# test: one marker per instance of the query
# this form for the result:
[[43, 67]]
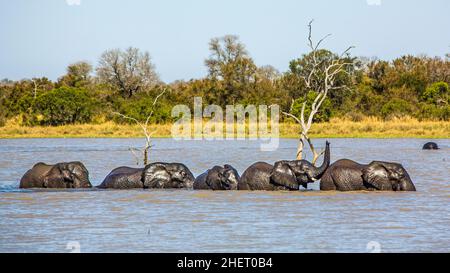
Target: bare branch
[[347, 50], [292, 116], [144, 126], [321, 40], [125, 117], [317, 156], [302, 117], [153, 105], [136, 157]]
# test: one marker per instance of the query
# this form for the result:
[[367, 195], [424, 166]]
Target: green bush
[[140, 108], [61, 106], [396, 108], [2, 119], [431, 111], [324, 113], [366, 101], [437, 93]]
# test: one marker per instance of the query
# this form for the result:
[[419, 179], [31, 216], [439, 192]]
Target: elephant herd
[[342, 175]]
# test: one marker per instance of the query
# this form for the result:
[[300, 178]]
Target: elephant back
[[256, 177], [200, 182], [123, 178]]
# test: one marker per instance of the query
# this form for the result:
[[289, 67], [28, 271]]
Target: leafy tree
[[78, 75], [366, 100], [407, 71], [230, 68]]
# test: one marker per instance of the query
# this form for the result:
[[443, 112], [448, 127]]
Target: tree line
[[126, 82]]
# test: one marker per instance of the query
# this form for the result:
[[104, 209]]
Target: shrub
[[354, 116], [431, 111], [140, 108], [61, 106], [396, 108], [2, 119], [365, 101], [437, 93]]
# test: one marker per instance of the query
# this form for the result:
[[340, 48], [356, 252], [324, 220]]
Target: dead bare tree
[[145, 130], [321, 78], [129, 71]]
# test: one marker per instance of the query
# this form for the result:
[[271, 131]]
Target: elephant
[[60, 175], [348, 175], [167, 175], [430, 146], [218, 178], [123, 178], [283, 175]]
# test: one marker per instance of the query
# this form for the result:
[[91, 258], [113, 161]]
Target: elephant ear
[[283, 175], [376, 175], [57, 176], [156, 176]]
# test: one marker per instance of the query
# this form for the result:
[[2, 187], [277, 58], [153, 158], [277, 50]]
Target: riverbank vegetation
[[335, 128], [405, 97]]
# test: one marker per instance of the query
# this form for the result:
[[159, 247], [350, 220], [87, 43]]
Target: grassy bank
[[367, 128]]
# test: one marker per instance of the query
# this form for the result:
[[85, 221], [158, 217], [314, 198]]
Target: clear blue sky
[[41, 37]]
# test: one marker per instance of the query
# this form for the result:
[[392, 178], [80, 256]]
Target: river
[[206, 221]]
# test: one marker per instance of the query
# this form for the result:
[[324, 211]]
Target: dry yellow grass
[[367, 128], [375, 128]]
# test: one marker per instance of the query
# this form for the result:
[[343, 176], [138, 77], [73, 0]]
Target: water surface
[[202, 221]]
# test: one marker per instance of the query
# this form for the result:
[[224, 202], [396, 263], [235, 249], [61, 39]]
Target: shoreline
[[335, 128], [281, 137]]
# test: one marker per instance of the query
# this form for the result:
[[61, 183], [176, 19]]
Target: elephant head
[[74, 174], [292, 174], [225, 177], [430, 146], [387, 176], [167, 175]]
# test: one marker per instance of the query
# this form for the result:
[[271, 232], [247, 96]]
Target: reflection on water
[[202, 221]]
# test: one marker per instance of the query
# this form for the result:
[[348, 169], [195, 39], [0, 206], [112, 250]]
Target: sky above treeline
[[41, 37]]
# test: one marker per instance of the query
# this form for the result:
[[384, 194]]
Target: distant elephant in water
[[218, 178], [123, 178], [167, 175], [283, 175], [348, 175], [430, 146], [61, 175]]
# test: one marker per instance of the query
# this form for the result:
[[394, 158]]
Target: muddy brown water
[[202, 221]]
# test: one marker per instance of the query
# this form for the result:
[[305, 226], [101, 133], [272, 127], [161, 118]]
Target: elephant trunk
[[318, 172]]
